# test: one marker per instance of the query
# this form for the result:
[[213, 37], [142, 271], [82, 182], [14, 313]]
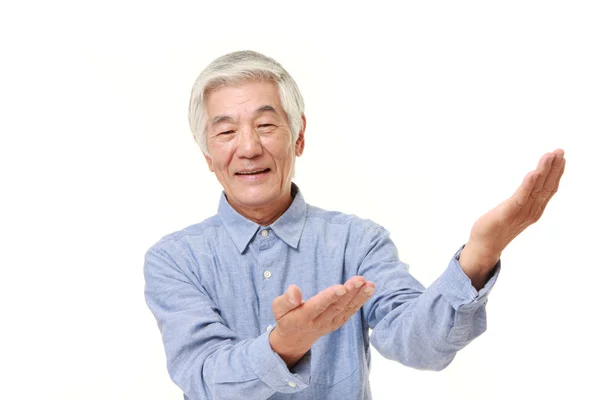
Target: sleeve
[[204, 357], [421, 328]]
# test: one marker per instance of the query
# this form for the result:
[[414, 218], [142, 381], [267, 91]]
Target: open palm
[[494, 230]]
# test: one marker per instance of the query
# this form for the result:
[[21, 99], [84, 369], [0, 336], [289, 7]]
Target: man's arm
[[421, 328], [204, 357], [425, 328]]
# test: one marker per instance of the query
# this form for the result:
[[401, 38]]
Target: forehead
[[242, 99]]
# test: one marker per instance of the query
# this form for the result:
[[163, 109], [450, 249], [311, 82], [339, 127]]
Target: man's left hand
[[493, 231]]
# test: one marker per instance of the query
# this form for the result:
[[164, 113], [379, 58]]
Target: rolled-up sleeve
[[204, 357], [421, 328]]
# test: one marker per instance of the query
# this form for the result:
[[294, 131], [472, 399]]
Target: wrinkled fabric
[[210, 287]]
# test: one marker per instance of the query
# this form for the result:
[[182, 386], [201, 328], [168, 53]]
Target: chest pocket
[[334, 357]]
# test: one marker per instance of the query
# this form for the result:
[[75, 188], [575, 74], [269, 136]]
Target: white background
[[421, 116]]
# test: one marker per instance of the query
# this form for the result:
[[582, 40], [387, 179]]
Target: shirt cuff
[[457, 286], [271, 369]]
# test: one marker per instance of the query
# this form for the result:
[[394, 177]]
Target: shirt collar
[[288, 227]]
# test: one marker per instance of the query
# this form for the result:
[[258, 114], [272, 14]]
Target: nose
[[249, 144]]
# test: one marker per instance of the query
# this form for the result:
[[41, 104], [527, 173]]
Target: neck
[[267, 214]]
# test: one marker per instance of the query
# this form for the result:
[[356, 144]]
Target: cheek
[[220, 160], [286, 162], [222, 168], [282, 150]]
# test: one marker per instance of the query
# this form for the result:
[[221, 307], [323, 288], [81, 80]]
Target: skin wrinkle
[[244, 142], [226, 118]]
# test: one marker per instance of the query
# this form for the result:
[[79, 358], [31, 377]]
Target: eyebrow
[[222, 118]]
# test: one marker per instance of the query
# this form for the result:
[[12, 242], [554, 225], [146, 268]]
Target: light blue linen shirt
[[210, 287]]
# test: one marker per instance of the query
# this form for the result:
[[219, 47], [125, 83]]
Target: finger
[[556, 184], [352, 286], [357, 302], [533, 183], [317, 304], [288, 301], [543, 169], [362, 297], [523, 193], [545, 189], [556, 170]]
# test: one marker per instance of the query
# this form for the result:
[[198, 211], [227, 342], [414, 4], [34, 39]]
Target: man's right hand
[[300, 324]]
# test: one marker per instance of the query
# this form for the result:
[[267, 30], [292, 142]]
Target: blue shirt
[[210, 287]]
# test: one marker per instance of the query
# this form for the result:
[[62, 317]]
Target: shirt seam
[[188, 234]]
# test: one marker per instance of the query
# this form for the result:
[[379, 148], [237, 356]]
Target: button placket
[[265, 240], [265, 233]]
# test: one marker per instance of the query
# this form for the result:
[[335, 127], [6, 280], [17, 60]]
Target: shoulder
[[351, 221], [195, 232]]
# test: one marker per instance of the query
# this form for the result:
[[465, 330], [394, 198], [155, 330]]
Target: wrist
[[477, 263], [289, 351]]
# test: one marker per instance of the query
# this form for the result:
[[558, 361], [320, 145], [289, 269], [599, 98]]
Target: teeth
[[252, 172]]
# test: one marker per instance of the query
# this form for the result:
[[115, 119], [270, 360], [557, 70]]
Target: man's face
[[250, 145]]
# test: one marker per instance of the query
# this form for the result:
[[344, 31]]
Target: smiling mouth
[[255, 172]]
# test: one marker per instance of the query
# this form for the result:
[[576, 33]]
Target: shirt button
[[269, 328], [292, 384], [267, 274], [265, 233]]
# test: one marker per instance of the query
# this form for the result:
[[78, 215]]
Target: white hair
[[234, 69]]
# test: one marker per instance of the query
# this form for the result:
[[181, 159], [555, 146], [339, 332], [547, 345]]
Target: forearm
[[226, 372], [247, 369], [425, 328], [205, 358], [427, 332]]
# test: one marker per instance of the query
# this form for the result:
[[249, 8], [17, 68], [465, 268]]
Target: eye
[[265, 125], [225, 133]]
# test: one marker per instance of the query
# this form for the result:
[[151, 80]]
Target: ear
[[299, 146], [209, 162]]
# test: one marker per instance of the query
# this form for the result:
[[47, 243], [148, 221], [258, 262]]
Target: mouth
[[254, 172]]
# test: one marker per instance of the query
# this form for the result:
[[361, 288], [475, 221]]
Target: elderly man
[[274, 298]]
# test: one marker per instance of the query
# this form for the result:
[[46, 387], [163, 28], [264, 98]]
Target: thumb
[[285, 303]]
